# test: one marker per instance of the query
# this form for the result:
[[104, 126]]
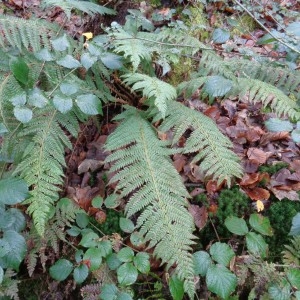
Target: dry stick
[[265, 28]]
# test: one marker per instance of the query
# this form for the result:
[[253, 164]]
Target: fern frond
[[145, 173], [291, 255], [89, 8], [152, 87], [216, 158]]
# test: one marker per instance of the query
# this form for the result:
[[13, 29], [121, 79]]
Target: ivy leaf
[[95, 258], [217, 86], [142, 262], [108, 292], [89, 104], [293, 276], [113, 262], [127, 274], [220, 280], [220, 36], [69, 62], [61, 269], [221, 253], [20, 70], [13, 190], [126, 225], [62, 104], [81, 273], [23, 114], [61, 43], [89, 240], [36, 98], [256, 244], [111, 61], [236, 225], [202, 262], [176, 287], [87, 60], [18, 248], [261, 224], [125, 254], [277, 125]]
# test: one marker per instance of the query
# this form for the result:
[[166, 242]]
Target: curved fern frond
[[145, 173], [152, 87], [216, 158]]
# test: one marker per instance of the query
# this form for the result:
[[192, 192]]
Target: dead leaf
[[250, 180], [273, 136], [90, 165], [257, 193], [212, 186], [199, 214], [280, 194], [179, 162], [259, 155]]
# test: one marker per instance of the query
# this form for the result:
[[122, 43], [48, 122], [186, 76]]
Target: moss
[[245, 24], [181, 71], [111, 225], [272, 169]]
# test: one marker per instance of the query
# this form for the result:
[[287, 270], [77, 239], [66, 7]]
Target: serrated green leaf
[[68, 88], [1, 275], [176, 288], [105, 247], [69, 62], [20, 70], [19, 99], [95, 258], [220, 280], [97, 202], [18, 248], [23, 114], [137, 239], [89, 104], [236, 225], [61, 43], [221, 253], [82, 220], [142, 262], [111, 61], [13, 191], [89, 240], [18, 220], [108, 292], [61, 269], [293, 276], [277, 292], [126, 225], [126, 254], [113, 262], [74, 231], [217, 86], [256, 244], [44, 55], [112, 201], [202, 262], [80, 273], [127, 274], [266, 39], [261, 224], [36, 98], [277, 125], [87, 60], [123, 296], [79, 255], [295, 229], [62, 104], [4, 248], [220, 36]]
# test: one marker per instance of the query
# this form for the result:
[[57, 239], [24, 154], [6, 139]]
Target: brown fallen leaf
[[199, 214], [179, 162], [259, 155], [257, 193], [273, 136], [280, 194]]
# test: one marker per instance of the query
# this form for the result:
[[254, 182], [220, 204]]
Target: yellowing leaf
[[88, 35], [259, 206]]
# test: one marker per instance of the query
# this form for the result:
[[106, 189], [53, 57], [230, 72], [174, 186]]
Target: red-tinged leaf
[[273, 136], [179, 162], [257, 193], [254, 134], [250, 166], [250, 180], [259, 155], [213, 112], [197, 191], [199, 214], [213, 208], [264, 177], [212, 186]]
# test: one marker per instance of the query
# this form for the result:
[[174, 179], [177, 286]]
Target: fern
[[144, 172], [291, 255], [152, 87], [217, 160]]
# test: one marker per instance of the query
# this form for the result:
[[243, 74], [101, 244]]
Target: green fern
[[144, 172], [216, 158], [291, 255]]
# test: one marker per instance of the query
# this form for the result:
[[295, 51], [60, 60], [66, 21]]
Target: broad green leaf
[[296, 135], [89, 240], [95, 258], [126, 225], [89, 104], [293, 276], [105, 247], [20, 70], [79, 255], [112, 201], [62, 103], [13, 191], [176, 288], [4, 247], [18, 248], [44, 55], [221, 253], [123, 296], [36, 98], [277, 292], [261, 224], [217, 86], [68, 88], [108, 292], [113, 262], [82, 220], [61, 43], [256, 244], [69, 62], [277, 125], [266, 39], [125, 254], [23, 114], [137, 239], [202, 262], [3, 129], [1, 275], [295, 229], [220, 36], [87, 60], [111, 61], [220, 280], [142, 262], [19, 222], [236, 225], [81, 273], [61, 269], [6, 220], [127, 274], [74, 231], [97, 202], [294, 28], [19, 99]]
